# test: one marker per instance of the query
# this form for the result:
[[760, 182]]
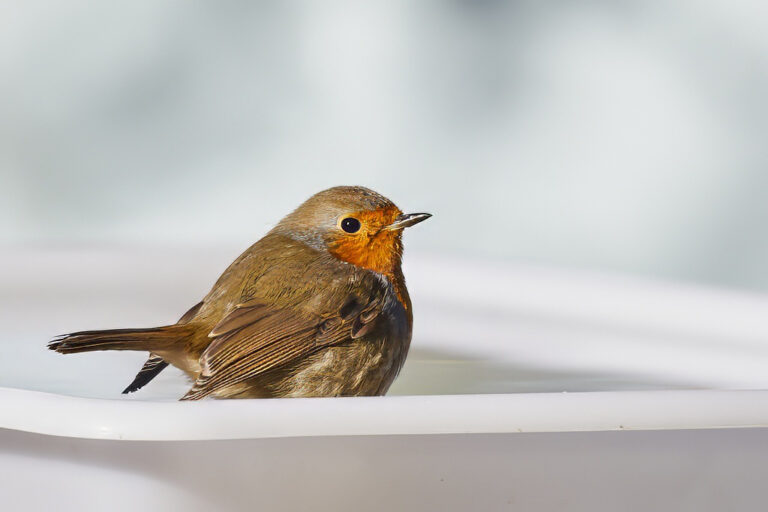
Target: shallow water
[[426, 372], [431, 372]]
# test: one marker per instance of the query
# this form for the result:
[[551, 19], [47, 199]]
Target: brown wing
[[256, 337]]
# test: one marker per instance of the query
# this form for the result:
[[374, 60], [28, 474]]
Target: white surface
[[680, 471], [642, 362], [479, 414], [481, 336]]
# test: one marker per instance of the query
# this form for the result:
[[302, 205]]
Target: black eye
[[350, 225]]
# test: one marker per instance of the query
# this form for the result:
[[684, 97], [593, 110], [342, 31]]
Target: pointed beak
[[407, 220]]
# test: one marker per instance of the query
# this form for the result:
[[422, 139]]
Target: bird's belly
[[358, 369], [362, 367], [183, 360]]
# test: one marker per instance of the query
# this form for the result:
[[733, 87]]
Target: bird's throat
[[381, 254]]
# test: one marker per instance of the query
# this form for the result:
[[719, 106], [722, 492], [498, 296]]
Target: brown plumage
[[318, 307]]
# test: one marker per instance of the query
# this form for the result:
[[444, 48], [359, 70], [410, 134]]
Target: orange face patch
[[372, 247]]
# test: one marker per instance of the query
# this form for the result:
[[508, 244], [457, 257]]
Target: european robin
[[318, 307]]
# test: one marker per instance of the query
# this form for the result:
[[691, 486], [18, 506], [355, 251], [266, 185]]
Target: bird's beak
[[407, 220]]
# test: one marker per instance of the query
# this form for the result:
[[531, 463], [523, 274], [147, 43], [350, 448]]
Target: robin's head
[[354, 224]]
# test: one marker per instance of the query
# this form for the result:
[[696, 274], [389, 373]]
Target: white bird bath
[[526, 389]]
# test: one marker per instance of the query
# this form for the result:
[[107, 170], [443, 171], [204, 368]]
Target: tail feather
[[156, 338]]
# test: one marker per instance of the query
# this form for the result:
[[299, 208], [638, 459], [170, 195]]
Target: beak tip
[[409, 219]]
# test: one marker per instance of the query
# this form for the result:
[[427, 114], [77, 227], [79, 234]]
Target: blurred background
[[613, 136], [597, 171]]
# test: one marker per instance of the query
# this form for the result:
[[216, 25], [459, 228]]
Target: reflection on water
[[426, 372], [434, 372]]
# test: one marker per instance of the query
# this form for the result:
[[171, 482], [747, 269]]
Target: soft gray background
[[619, 136]]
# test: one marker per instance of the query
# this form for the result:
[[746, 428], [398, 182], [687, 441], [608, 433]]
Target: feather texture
[[255, 338], [311, 309]]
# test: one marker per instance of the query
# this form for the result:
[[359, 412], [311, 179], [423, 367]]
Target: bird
[[318, 307]]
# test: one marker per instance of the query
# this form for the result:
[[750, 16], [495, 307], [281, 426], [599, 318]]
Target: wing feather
[[256, 337]]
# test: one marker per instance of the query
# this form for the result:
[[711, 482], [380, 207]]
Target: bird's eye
[[350, 225]]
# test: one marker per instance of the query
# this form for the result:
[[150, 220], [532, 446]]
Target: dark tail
[[156, 338], [149, 371]]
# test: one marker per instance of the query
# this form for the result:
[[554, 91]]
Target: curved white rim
[[68, 416]]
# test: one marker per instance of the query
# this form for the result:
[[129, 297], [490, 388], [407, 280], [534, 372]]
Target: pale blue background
[[617, 136]]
